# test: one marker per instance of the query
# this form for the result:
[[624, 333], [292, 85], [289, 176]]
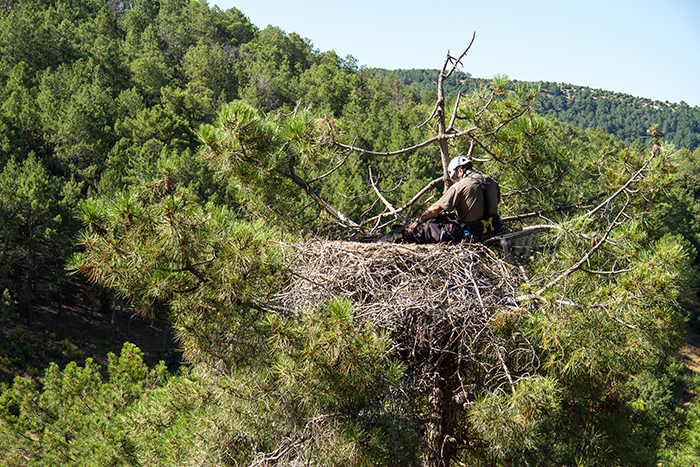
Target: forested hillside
[[622, 115], [171, 163]]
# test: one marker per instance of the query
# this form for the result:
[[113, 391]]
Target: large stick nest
[[440, 303]]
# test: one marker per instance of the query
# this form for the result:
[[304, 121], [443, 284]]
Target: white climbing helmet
[[458, 161]]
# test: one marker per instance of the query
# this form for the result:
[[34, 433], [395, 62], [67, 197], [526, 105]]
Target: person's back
[[473, 198]]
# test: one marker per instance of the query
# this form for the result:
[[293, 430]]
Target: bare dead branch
[[339, 216], [458, 61], [541, 212], [396, 211], [450, 127], [606, 273], [390, 207], [282, 450], [432, 115], [471, 150], [527, 190], [487, 105], [420, 194], [425, 143]]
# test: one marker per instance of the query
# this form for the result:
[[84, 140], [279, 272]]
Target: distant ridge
[[622, 115]]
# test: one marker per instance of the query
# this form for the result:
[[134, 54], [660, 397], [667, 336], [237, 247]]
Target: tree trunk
[[440, 114], [440, 427], [31, 281], [18, 287]]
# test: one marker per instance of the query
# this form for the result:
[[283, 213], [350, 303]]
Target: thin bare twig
[[528, 215], [458, 61], [450, 127]]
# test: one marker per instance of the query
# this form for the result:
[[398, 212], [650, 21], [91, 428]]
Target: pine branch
[[566, 207], [342, 218], [623, 187], [586, 257], [339, 165]]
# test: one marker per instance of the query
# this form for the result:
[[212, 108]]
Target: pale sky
[[644, 48]]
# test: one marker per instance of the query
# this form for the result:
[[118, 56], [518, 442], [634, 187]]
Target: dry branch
[[415, 147], [339, 216], [389, 206]]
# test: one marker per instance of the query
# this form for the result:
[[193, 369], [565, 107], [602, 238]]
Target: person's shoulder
[[472, 177], [483, 177]]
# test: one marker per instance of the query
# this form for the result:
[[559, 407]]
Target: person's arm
[[431, 212]]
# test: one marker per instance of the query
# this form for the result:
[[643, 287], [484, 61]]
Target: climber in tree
[[474, 200]]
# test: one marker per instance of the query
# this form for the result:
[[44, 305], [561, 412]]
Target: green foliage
[[642, 295], [340, 362], [20, 124], [27, 202], [315, 379], [426, 81], [66, 79], [679, 208], [76, 117], [316, 411], [73, 417], [43, 35], [625, 116], [150, 70], [273, 61], [200, 260], [603, 333], [34, 217], [513, 423], [208, 71], [686, 451], [267, 155], [326, 86], [16, 347]]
